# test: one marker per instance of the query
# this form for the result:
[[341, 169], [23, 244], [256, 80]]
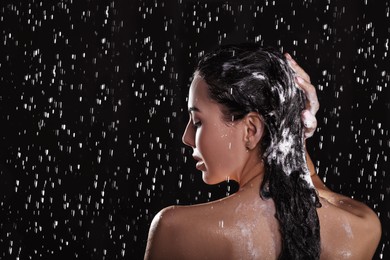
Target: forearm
[[318, 183]]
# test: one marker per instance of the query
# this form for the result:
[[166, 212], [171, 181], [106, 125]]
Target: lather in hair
[[248, 78]]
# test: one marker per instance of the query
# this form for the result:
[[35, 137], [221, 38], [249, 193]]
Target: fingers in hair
[[311, 94], [298, 70]]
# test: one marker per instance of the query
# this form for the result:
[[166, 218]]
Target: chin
[[210, 180]]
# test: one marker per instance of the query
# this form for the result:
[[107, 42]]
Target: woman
[[245, 125]]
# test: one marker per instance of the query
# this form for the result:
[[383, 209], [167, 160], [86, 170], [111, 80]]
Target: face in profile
[[218, 145]]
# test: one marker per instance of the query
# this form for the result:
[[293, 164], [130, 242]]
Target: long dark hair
[[246, 78]]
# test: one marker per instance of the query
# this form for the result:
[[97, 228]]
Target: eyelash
[[197, 124]]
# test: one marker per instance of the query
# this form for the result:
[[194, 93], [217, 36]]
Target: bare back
[[243, 226]]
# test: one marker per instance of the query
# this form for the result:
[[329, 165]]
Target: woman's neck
[[253, 177]]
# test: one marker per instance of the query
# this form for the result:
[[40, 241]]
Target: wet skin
[[243, 226], [223, 150]]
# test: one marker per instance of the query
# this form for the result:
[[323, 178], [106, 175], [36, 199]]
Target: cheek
[[220, 147]]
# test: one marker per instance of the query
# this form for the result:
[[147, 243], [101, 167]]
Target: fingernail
[[290, 59], [308, 135], [299, 79]]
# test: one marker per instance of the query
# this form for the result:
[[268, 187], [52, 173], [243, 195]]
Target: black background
[[93, 105]]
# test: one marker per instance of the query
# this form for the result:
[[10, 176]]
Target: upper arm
[[359, 224], [160, 236]]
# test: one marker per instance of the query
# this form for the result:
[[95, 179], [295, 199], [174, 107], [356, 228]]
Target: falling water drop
[[93, 108]]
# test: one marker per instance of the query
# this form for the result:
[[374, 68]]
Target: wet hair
[[247, 78]]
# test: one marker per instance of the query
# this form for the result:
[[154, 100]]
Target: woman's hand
[[312, 104], [308, 114]]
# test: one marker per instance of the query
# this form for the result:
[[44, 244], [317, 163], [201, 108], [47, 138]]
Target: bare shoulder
[[162, 234], [349, 228], [239, 226], [182, 232]]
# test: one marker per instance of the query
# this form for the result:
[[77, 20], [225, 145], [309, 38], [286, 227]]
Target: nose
[[188, 137]]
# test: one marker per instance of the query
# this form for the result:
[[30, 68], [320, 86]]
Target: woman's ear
[[254, 129]]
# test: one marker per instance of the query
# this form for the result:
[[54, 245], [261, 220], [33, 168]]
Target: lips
[[200, 164]]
